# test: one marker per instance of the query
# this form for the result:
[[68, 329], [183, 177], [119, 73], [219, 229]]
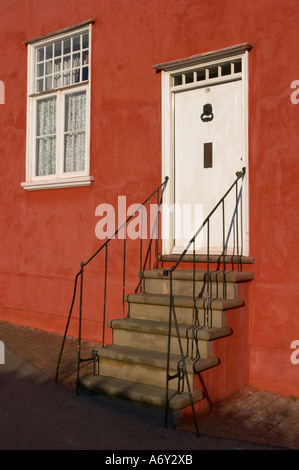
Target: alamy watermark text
[[2, 93], [295, 354], [2, 353]]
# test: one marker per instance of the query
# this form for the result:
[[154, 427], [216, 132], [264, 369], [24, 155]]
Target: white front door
[[208, 149]]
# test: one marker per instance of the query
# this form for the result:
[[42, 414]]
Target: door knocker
[[207, 114]]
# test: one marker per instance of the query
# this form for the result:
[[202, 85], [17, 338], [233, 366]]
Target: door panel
[[207, 155]]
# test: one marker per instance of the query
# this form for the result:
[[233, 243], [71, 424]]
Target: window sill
[[58, 183]]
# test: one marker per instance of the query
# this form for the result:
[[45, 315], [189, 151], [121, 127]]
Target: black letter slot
[[208, 155]]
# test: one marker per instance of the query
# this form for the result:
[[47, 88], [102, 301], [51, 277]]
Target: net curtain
[[74, 134]]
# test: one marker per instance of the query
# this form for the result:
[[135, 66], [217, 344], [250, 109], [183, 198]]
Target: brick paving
[[251, 415], [254, 415]]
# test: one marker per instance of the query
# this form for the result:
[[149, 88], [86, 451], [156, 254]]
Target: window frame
[[61, 179]]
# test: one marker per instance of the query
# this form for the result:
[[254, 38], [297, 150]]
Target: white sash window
[[58, 111]]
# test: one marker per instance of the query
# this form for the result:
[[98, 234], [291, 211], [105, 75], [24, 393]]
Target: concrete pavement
[[38, 414]]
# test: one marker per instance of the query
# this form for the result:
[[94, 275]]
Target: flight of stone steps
[[133, 367]]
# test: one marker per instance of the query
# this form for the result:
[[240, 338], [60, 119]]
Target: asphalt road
[[37, 414]]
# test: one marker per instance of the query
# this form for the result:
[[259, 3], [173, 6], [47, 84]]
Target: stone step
[[201, 274], [156, 307], [153, 335], [213, 258], [145, 366], [128, 390], [156, 282]]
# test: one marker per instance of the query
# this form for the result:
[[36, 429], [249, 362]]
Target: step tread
[[200, 275], [161, 328], [203, 258], [184, 301], [154, 358], [137, 392]]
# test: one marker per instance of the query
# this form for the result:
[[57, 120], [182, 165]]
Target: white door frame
[[168, 71]]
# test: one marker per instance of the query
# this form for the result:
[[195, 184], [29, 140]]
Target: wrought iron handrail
[[172, 313], [159, 192], [182, 374]]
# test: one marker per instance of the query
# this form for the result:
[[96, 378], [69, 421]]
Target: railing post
[[208, 274], [182, 357], [124, 272], [168, 349], [194, 302], [67, 325], [158, 226], [223, 252], [80, 326], [105, 294], [237, 225], [140, 254]]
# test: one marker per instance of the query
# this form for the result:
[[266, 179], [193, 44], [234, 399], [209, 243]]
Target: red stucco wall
[[46, 234]]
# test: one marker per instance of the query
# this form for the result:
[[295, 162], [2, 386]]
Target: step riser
[[185, 287], [183, 314], [139, 373], [153, 342]]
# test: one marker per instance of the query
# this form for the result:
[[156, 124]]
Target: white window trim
[[168, 69], [61, 179]]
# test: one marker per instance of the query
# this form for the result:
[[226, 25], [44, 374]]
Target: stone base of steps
[[139, 397]]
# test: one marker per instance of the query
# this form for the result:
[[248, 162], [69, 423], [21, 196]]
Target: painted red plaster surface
[[46, 234]]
